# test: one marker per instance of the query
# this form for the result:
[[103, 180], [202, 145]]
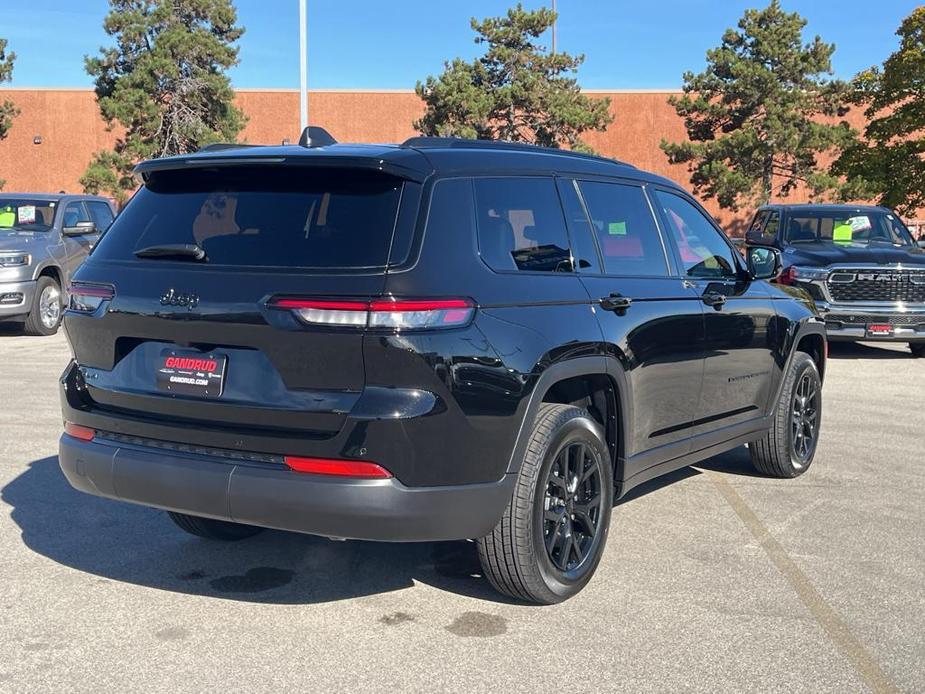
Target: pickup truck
[[859, 263], [43, 240]]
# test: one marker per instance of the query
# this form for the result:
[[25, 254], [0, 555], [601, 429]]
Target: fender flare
[[571, 368], [806, 327]]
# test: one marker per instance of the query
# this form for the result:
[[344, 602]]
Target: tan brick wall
[[69, 124]]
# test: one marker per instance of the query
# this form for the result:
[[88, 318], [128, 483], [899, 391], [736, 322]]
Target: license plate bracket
[[200, 374], [880, 330]]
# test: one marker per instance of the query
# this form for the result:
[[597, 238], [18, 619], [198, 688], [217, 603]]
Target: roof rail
[[314, 136], [425, 142], [219, 146]]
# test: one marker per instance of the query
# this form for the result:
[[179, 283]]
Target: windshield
[[26, 215], [848, 228], [281, 217]]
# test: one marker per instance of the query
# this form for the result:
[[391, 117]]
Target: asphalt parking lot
[[713, 579]]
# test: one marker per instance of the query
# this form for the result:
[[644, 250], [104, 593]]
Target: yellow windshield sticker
[[7, 217], [842, 233]]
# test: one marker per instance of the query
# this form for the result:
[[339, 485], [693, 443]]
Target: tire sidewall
[[34, 322], [803, 365], [583, 429]]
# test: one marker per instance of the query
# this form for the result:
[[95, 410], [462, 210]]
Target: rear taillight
[[397, 314], [86, 298], [337, 468], [79, 432]]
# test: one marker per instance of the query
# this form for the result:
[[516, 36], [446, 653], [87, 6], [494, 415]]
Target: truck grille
[[879, 285], [915, 319]]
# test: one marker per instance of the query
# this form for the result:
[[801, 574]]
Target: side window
[[770, 231], [626, 231], [74, 212], [101, 214], [704, 252], [521, 226], [757, 223], [584, 249]]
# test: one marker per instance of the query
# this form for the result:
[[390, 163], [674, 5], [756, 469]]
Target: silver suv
[[43, 240]]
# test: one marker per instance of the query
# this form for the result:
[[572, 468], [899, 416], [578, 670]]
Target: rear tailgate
[[263, 233]]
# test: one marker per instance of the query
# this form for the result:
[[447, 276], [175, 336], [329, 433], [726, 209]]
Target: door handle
[[713, 299], [615, 302]]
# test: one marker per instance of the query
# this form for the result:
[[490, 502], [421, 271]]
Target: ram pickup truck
[[43, 240], [859, 263]]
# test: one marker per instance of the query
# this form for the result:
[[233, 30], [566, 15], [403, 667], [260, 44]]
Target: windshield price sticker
[[25, 214]]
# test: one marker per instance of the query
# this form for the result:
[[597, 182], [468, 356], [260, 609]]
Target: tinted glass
[[847, 227], [26, 215], [263, 217], [758, 222], [770, 231], [625, 228], [584, 249], [101, 214], [704, 251], [75, 212], [521, 226]]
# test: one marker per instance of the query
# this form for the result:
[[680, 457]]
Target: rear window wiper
[[190, 251]]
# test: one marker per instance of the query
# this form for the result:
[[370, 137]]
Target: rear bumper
[[275, 497], [16, 298], [848, 322]]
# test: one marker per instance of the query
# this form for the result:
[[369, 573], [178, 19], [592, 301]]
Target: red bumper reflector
[[337, 468], [79, 432]]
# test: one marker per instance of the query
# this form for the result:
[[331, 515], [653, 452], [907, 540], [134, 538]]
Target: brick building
[[58, 130]]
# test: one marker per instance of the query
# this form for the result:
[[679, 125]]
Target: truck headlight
[[14, 259], [809, 273]]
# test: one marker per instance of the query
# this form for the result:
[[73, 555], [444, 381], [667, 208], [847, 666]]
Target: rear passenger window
[[521, 226], [625, 229]]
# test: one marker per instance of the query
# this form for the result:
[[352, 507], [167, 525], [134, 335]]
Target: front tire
[[213, 529], [45, 314], [551, 536], [917, 349], [788, 449]]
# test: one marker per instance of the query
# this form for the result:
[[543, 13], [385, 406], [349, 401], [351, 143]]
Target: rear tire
[[45, 314], [213, 529], [552, 534], [788, 449], [917, 349]]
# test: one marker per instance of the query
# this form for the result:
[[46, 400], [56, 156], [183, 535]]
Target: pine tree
[[755, 116], [516, 91], [164, 83]]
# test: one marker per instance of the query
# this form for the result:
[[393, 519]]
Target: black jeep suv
[[440, 340], [859, 263]]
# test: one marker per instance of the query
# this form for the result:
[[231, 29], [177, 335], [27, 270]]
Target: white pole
[[303, 66], [555, 21]]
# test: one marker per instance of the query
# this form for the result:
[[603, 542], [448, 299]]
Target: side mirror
[[763, 263], [80, 229], [921, 243]]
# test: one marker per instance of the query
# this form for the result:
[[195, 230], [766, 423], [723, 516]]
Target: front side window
[[74, 212], [703, 250], [625, 228], [521, 226], [101, 213]]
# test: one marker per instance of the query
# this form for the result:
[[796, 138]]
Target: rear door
[[265, 234], [740, 320], [652, 320]]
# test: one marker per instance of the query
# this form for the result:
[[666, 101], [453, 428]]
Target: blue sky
[[389, 44]]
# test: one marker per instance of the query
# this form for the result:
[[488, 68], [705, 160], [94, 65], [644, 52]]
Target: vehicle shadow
[[7, 328], [868, 350], [123, 542]]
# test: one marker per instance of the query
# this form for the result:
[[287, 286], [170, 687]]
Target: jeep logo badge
[[174, 298]]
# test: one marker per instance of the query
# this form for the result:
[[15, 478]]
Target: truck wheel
[[45, 314], [789, 447], [551, 536], [213, 529], [917, 348]]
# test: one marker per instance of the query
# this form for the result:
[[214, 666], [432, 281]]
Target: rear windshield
[[262, 217]]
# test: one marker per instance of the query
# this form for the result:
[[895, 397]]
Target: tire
[[514, 556], [213, 529], [783, 452], [917, 349], [43, 318]]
